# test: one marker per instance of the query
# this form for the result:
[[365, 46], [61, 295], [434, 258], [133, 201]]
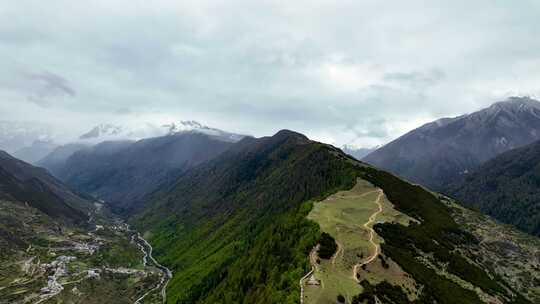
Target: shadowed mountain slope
[[123, 172], [440, 152], [507, 188], [22, 182]]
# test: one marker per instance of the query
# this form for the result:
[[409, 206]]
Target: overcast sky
[[343, 72]]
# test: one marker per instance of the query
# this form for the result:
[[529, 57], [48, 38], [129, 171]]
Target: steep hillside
[[236, 230], [507, 188], [57, 247], [34, 186], [440, 152], [122, 173]]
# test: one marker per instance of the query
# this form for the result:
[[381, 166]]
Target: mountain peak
[[516, 104], [439, 152], [102, 130], [289, 133], [185, 125], [520, 100]]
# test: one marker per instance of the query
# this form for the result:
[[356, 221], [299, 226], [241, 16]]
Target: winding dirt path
[[339, 249], [368, 225]]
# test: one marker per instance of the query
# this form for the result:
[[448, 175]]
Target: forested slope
[[507, 188], [234, 230]]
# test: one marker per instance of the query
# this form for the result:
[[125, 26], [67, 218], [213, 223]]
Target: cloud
[[123, 111], [416, 79], [41, 87], [356, 72]]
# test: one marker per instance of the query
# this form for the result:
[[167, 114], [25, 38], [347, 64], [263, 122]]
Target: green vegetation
[[235, 229], [29, 239], [327, 247], [502, 249], [384, 291], [438, 235], [344, 216], [118, 253], [507, 188]]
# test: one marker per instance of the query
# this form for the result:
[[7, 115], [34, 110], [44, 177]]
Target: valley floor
[[108, 264]]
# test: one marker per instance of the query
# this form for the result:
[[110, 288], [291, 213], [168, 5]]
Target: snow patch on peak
[[517, 104], [501, 141], [102, 130], [185, 125], [112, 132]]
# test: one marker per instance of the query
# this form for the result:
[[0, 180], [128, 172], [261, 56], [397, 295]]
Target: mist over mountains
[[123, 172], [32, 142]]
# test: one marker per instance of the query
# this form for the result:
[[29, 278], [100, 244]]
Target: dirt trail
[[368, 226], [339, 249]]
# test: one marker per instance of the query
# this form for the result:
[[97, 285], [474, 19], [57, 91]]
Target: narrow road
[[146, 249], [368, 226]]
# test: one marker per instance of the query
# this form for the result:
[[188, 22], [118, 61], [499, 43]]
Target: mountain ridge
[[122, 173], [235, 229], [506, 187], [440, 152]]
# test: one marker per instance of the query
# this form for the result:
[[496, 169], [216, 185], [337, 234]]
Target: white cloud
[[360, 72]]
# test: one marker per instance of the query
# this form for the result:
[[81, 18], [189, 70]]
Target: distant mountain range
[[442, 152], [17, 135], [36, 151], [124, 172], [112, 132], [357, 153], [29, 141], [32, 142]]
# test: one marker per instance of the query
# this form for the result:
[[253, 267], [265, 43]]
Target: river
[[147, 249]]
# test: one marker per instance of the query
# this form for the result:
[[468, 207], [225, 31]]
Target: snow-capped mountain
[[194, 126], [440, 152], [112, 132]]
